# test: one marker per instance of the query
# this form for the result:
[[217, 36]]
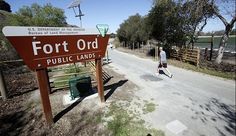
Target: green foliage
[[6, 50], [170, 22], [37, 15], [5, 6], [133, 30]]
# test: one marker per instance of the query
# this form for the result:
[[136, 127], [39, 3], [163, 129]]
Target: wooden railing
[[60, 78], [186, 55], [105, 75]]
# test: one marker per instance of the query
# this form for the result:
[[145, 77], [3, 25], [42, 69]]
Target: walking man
[[163, 62]]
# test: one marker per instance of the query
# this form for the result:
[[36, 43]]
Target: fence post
[[3, 88], [198, 56], [139, 46], [156, 53], [107, 56], [212, 40], [133, 46], [206, 54]]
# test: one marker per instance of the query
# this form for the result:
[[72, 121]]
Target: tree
[[196, 13], [5, 6], [37, 15], [133, 30], [221, 9], [228, 28], [166, 23]]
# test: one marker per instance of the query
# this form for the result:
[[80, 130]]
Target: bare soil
[[22, 114]]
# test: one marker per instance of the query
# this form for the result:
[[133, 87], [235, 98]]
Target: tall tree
[[5, 6], [228, 26], [196, 14], [167, 22], [133, 30], [223, 9]]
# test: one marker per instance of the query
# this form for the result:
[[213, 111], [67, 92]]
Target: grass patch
[[63, 81], [73, 69], [125, 124], [98, 118], [227, 75], [149, 107]]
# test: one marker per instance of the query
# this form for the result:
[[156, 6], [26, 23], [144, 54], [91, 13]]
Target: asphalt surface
[[189, 104]]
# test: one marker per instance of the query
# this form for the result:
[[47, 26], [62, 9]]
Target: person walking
[[163, 63]]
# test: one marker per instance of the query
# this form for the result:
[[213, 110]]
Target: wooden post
[[138, 45], [212, 39], [133, 46], [198, 56], [141, 47], [3, 88], [99, 79], [44, 89], [50, 90], [107, 56], [206, 54], [156, 53]]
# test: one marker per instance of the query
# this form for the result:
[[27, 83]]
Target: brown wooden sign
[[42, 47]]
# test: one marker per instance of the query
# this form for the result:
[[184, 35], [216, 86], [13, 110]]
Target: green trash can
[[80, 86]]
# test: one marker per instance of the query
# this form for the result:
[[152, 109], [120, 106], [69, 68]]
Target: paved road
[[189, 104]]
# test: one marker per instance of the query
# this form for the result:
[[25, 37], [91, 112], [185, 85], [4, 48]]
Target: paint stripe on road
[[176, 127]]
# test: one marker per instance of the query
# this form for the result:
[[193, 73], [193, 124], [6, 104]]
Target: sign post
[[44, 93], [98, 64], [42, 47]]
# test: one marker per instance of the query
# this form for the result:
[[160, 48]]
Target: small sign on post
[[103, 29], [42, 47]]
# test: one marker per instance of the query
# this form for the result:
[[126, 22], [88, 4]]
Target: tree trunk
[[221, 50], [225, 37], [223, 42]]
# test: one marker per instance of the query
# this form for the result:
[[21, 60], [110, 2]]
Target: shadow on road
[[113, 88], [162, 72], [215, 111], [149, 77]]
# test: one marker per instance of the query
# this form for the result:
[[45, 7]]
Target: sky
[[111, 12]]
